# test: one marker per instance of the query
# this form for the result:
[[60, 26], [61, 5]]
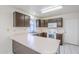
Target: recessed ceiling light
[[51, 8]]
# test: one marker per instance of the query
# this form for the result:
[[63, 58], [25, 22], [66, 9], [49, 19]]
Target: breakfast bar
[[27, 43]]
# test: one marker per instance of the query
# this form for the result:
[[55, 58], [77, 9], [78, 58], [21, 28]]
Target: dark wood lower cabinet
[[21, 49], [59, 37], [43, 34]]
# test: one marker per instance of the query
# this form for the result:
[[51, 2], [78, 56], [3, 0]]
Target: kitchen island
[[27, 43]]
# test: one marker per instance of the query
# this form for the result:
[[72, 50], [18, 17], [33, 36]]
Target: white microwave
[[52, 25]]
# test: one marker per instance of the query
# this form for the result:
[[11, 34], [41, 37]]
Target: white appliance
[[52, 25], [52, 30]]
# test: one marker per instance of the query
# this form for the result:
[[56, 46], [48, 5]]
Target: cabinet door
[[38, 23], [45, 23], [59, 36], [59, 22], [27, 21], [19, 19], [43, 34], [42, 23], [21, 49]]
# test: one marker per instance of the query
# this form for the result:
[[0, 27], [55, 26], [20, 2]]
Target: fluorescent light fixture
[[52, 8]]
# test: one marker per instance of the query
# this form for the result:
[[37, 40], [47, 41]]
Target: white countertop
[[39, 44]]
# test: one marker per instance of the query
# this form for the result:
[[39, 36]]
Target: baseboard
[[71, 43]]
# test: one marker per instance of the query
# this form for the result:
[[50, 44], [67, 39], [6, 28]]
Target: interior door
[[70, 31]]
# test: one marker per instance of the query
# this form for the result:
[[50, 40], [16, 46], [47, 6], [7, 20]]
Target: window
[[32, 25]]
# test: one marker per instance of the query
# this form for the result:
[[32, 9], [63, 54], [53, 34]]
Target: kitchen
[[60, 28], [39, 33]]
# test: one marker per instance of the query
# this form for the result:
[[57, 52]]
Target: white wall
[[6, 26], [70, 26], [5, 23]]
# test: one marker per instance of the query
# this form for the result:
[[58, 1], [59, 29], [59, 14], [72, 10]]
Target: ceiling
[[35, 10]]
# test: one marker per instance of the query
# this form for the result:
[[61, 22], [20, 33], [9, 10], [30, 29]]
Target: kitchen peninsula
[[27, 43]]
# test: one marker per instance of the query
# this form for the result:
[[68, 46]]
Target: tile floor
[[69, 49]]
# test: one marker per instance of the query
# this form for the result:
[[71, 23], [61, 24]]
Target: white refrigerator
[[52, 30]]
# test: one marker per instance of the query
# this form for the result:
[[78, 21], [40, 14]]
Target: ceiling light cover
[[52, 8]]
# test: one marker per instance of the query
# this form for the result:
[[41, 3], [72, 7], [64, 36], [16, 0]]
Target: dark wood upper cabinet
[[41, 23], [59, 21], [27, 21], [45, 23], [21, 20]]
